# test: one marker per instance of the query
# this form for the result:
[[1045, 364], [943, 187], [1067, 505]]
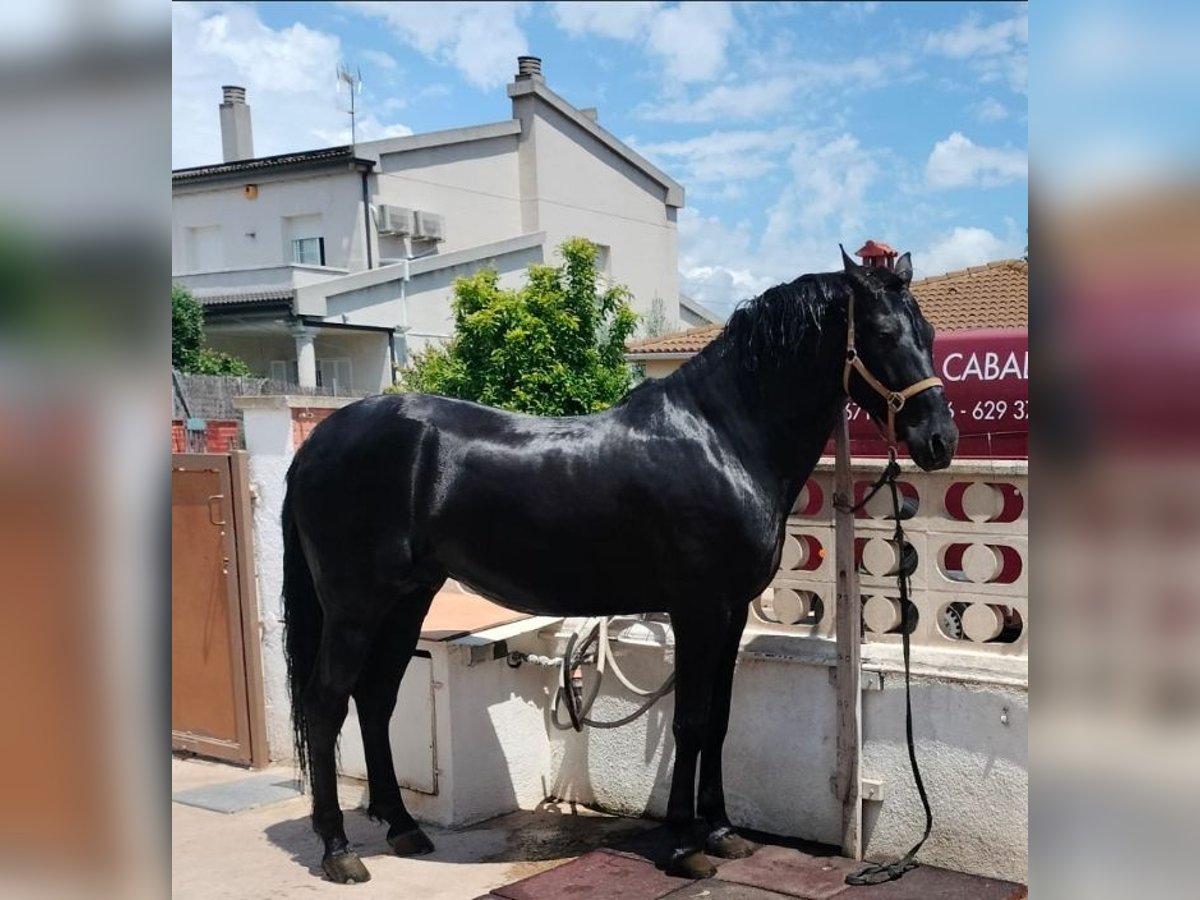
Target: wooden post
[[849, 654]]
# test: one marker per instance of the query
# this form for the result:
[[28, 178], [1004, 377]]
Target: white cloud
[[998, 51], [481, 40], [691, 39], [288, 74], [828, 193], [623, 21], [827, 200], [860, 72], [722, 156], [963, 247], [379, 58], [744, 101], [717, 265], [775, 92], [959, 162], [368, 128], [972, 39], [991, 110]]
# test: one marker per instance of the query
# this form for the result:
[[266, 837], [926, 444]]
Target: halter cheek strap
[[895, 399]]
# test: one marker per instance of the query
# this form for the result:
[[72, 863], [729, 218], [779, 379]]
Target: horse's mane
[[787, 319]]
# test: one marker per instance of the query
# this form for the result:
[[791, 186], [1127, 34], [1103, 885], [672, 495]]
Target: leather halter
[[895, 399]]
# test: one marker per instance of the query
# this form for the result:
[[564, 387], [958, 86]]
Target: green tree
[[188, 353], [553, 347]]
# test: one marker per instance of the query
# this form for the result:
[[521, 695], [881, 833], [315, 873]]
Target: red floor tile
[[791, 873], [599, 875], [928, 883]]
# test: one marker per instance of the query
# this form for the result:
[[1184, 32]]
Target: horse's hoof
[[690, 864], [411, 843], [345, 868], [726, 843]]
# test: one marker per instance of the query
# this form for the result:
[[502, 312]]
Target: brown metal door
[[210, 708]]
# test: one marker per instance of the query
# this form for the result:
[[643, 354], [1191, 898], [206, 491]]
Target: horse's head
[[889, 363]]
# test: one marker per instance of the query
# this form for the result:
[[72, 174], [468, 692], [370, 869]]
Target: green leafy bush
[[553, 347], [188, 353]]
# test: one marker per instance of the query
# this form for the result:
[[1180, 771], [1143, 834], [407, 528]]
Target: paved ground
[[551, 853], [271, 852]]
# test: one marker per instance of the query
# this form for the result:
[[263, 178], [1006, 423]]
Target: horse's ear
[[904, 269], [848, 264], [855, 272]]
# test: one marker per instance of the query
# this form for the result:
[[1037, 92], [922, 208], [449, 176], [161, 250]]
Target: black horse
[[674, 500]]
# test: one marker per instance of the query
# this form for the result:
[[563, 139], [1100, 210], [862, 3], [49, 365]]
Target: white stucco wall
[[583, 189], [781, 753], [427, 296], [269, 442], [473, 184], [336, 198]]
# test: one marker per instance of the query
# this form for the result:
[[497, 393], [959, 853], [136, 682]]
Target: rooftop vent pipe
[[529, 67], [237, 141]]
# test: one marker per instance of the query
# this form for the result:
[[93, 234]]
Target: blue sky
[[792, 126]]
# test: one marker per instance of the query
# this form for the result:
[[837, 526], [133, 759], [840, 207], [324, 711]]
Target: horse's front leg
[[721, 840], [697, 642]]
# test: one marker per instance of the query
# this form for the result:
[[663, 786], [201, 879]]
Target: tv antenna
[[353, 82]]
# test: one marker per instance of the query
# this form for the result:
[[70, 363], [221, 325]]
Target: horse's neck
[[778, 419]]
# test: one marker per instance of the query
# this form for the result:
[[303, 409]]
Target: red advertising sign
[[986, 374]]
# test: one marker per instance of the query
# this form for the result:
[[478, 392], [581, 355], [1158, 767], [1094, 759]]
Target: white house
[[330, 266]]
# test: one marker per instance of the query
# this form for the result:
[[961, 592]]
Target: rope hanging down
[[877, 874]]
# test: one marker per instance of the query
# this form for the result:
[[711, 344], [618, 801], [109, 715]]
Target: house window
[[285, 371], [335, 374], [603, 259], [205, 249], [309, 251]]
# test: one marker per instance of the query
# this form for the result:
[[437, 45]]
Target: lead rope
[[878, 874]]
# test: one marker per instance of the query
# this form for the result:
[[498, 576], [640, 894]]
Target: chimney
[[877, 253], [236, 140], [529, 68]]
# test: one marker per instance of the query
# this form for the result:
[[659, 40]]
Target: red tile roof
[[995, 295]]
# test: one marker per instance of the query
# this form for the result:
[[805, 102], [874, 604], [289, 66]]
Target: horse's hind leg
[[344, 648], [375, 700]]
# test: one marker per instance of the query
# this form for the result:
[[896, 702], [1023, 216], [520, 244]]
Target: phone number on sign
[[980, 411]]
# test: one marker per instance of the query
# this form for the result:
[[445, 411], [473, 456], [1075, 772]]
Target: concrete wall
[[335, 198]]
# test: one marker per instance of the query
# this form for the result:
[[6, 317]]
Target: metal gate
[[216, 675]]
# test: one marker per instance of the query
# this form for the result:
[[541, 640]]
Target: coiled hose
[[570, 693]]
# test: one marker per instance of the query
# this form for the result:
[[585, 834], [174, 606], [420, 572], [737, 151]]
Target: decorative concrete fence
[[968, 528]]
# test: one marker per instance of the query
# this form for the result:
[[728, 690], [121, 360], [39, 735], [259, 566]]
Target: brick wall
[[220, 436], [304, 421]]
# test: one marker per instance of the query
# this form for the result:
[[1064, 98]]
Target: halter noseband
[[895, 399]]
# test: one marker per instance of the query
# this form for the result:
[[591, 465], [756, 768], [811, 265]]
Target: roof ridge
[[994, 264]]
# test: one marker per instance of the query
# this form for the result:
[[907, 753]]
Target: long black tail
[[302, 619]]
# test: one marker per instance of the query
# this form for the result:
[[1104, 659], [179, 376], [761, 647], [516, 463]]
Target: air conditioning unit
[[429, 226], [395, 220]]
